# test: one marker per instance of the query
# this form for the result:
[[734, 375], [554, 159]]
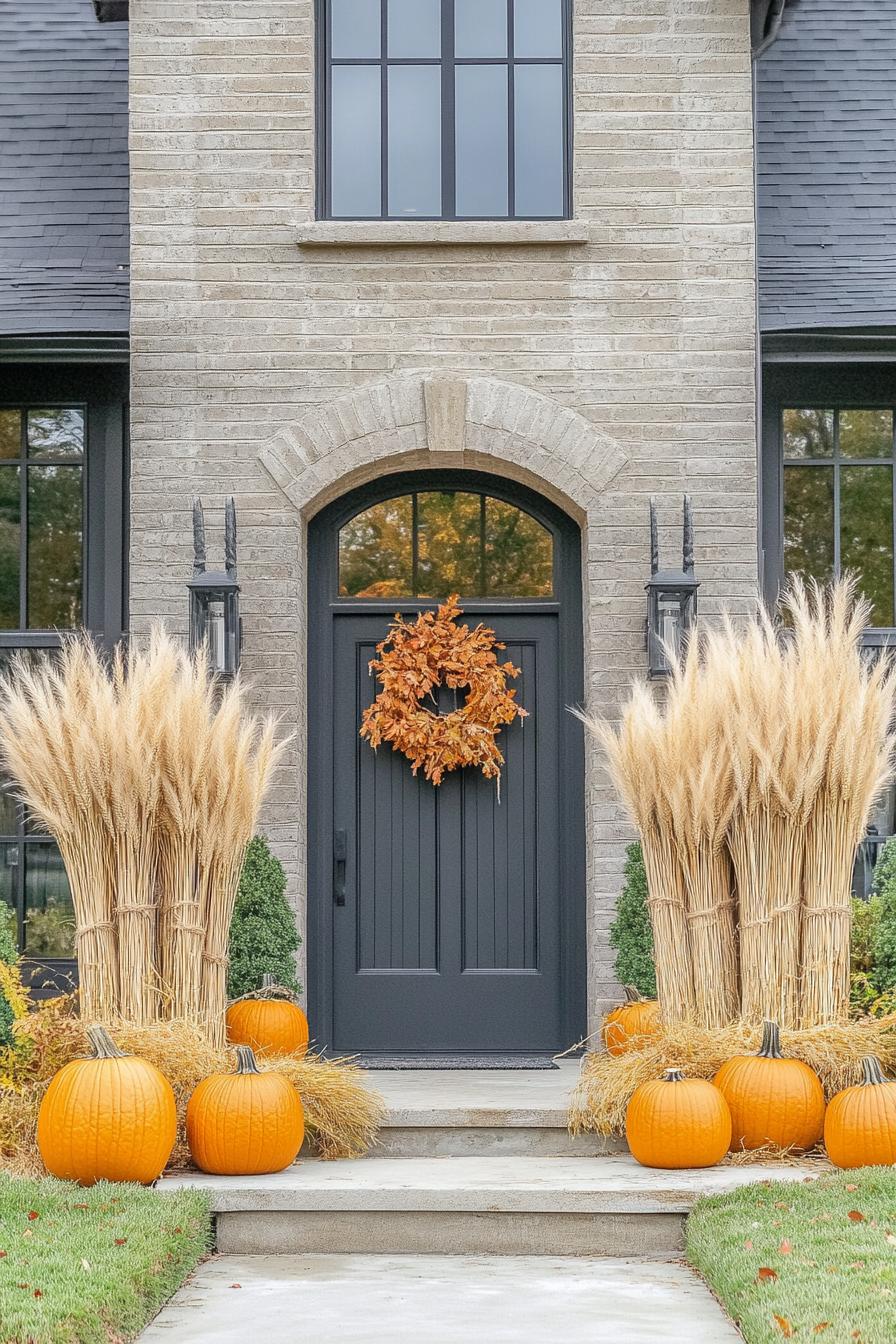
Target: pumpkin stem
[[873, 1074], [673, 1076], [771, 1042], [631, 994], [103, 1045], [245, 1060]]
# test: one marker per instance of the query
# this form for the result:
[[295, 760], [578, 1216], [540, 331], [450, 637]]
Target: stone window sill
[[442, 232]]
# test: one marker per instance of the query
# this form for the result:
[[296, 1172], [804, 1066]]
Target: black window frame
[[101, 390], [830, 387], [447, 61]]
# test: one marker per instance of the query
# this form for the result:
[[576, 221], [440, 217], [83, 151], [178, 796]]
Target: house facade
[[442, 292]]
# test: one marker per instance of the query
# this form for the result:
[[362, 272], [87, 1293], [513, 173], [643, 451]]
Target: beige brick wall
[[238, 334]]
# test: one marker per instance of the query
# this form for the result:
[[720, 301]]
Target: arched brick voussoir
[[433, 419]]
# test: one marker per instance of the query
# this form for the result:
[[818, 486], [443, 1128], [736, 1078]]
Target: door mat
[[457, 1062]]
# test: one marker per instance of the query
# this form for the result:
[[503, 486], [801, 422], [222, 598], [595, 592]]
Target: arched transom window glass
[[445, 109], [436, 542]]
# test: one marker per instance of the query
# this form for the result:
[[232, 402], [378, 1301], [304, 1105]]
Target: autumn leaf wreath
[[412, 662]]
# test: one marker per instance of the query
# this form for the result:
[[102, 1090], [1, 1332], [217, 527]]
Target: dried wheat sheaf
[[150, 776], [751, 788]]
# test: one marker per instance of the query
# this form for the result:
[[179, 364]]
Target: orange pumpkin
[[676, 1122], [773, 1100], [246, 1123], [272, 1023], [108, 1118], [860, 1123], [626, 1027]]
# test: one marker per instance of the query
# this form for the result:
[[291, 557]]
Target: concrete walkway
[[375, 1299]]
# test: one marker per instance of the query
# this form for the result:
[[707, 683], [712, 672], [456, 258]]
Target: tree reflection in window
[[436, 542], [41, 517], [838, 499]]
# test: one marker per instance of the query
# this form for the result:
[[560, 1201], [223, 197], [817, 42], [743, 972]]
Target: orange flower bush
[[413, 661]]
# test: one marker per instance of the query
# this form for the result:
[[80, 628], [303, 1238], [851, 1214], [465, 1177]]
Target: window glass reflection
[[480, 27], [481, 141], [444, 541], [375, 551], [355, 142], [538, 138], [415, 140], [355, 27], [865, 433], [808, 433]]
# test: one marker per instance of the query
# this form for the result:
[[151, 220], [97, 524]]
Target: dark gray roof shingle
[[826, 161], [63, 169]]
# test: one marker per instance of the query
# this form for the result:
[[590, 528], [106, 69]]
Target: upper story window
[[838, 501], [42, 453], [445, 109], [436, 542]]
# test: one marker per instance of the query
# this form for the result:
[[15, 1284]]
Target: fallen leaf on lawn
[[85, 1265], [781, 1205], [38, 1293], [783, 1325], [820, 1328], [748, 1245], [32, 1215], [766, 1275], [855, 1217], [785, 1248], [27, 1232], [890, 1238], [79, 1206], [2, 1255], [121, 1241], [851, 1188]]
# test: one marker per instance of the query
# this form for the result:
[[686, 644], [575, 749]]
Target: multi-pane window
[[35, 899], [838, 498], [41, 517], [437, 542], [445, 109]]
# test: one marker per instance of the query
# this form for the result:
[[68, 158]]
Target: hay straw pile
[[341, 1115], [751, 789], [150, 777], [835, 1052]]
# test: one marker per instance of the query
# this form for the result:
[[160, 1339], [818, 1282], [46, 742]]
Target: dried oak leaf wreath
[[413, 661]]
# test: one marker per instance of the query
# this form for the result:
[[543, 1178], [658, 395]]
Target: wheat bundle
[[696, 780], [848, 707], [57, 733], [150, 777], [183, 755], [835, 1051], [635, 760]]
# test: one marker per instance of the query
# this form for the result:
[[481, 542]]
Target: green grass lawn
[[814, 1260], [92, 1266]]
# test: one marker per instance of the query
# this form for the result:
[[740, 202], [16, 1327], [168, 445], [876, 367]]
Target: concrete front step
[[481, 1205], [463, 1112]]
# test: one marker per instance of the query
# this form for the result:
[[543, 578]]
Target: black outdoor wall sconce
[[215, 598], [671, 599]]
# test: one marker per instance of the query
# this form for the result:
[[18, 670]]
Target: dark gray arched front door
[[445, 920]]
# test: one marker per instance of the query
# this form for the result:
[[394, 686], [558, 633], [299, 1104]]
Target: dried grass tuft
[[342, 1115], [835, 1052]]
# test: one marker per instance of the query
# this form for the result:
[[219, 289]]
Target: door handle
[[340, 850]]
